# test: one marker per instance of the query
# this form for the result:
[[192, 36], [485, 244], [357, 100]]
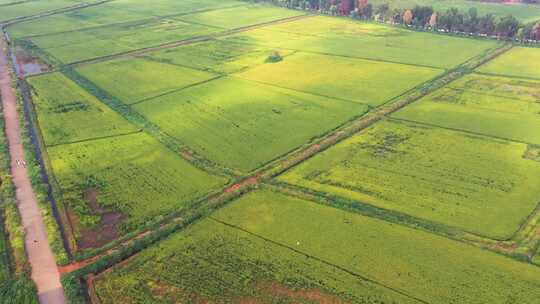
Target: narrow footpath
[[44, 270]]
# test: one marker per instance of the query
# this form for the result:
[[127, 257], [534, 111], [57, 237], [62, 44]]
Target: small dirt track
[[44, 270]]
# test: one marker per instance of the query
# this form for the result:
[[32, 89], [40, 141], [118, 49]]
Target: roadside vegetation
[[15, 283]]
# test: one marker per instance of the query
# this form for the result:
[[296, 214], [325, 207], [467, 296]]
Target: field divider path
[[323, 261], [44, 270]]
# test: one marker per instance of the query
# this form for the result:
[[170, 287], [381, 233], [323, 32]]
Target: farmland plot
[[131, 178], [220, 264], [350, 38], [243, 125], [479, 184], [217, 56], [33, 7], [248, 248], [236, 17], [67, 113], [74, 46], [495, 106], [350, 79], [132, 80], [518, 62], [118, 11]]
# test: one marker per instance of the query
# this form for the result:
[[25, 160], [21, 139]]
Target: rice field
[[478, 184], [242, 124], [220, 96], [217, 56], [495, 106], [343, 37], [67, 113], [131, 178], [26, 8], [271, 248], [349, 79], [114, 12], [135, 80], [239, 16], [518, 62]]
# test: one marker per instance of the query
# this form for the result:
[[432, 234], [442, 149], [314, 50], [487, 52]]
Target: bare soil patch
[[106, 231], [29, 65]]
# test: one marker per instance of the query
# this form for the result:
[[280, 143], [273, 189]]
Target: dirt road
[[44, 270]]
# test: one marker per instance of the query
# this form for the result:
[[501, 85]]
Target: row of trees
[[451, 20]]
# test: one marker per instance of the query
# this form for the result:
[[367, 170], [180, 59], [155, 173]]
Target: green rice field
[[348, 38], [349, 79], [231, 151], [501, 107], [479, 184], [518, 62], [67, 113], [33, 7], [114, 12], [122, 175], [288, 249], [217, 56], [242, 124], [134, 80]]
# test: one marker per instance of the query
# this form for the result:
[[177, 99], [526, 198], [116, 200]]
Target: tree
[[407, 17], [433, 20], [383, 11], [486, 24], [507, 27], [535, 33], [366, 12], [421, 15], [362, 4], [470, 21]]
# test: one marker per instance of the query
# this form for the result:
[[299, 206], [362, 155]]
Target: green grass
[[518, 62], [536, 258], [494, 106], [67, 113], [218, 263], [525, 13], [33, 7], [481, 185], [133, 174], [113, 12], [244, 125], [5, 272], [339, 36], [236, 17], [132, 80], [339, 77]]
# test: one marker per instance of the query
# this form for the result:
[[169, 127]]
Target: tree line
[[451, 20]]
